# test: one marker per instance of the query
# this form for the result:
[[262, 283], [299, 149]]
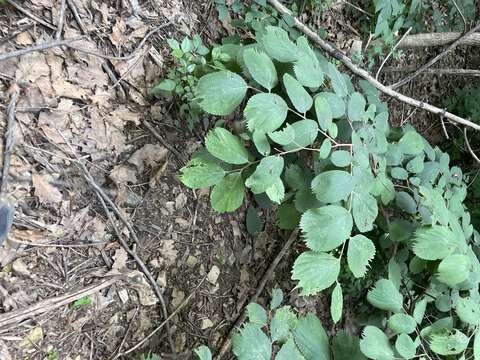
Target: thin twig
[[444, 128], [128, 330], [61, 19], [268, 274], [159, 327], [47, 245], [163, 142], [435, 59], [467, 142], [391, 52], [337, 54], [78, 19], [31, 15], [358, 8], [9, 141]]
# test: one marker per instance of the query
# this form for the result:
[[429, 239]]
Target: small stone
[[206, 323], [180, 201], [192, 261], [213, 274]]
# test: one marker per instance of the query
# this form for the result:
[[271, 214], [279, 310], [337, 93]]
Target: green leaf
[[338, 81], [300, 98], [394, 273], [307, 68], [402, 323], [453, 269], [411, 143], [276, 191], [385, 296], [341, 158], [261, 67], [256, 314], [284, 136], [441, 325], [468, 310], [419, 311], [306, 132], [254, 223], [326, 228], [323, 112], [433, 242], [221, 92], [356, 107], [336, 304], [277, 44], [332, 186], [364, 210], [451, 343], [84, 301], [228, 194], [265, 112], [266, 174], [315, 271], [405, 202], [288, 216], [225, 146], [252, 343], [166, 86], [261, 143], [361, 251], [337, 105], [311, 338], [282, 323], [325, 149], [375, 345], [399, 173], [203, 353], [476, 346], [289, 351], [346, 347], [405, 346], [417, 164], [277, 298], [200, 173]]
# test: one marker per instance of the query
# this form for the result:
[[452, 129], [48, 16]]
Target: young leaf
[[261, 143], [252, 343], [451, 343], [337, 105], [385, 296], [306, 132], [225, 146], [276, 191], [375, 345], [323, 112], [228, 194], [284, 136], [332, 186], [361, 251], [364, 210], [265, 112], [289, 351], [300, 98], [402, 323], [200, 173], [405, 346], [341, 158], [311, 338], [256, 314], [468, 310], [346, 347], [326, 228], [434, 242], [203, 353], [221, 92], [282, 323], [454, 269], [261, 68], [338, 81], [336, 304], [356, 107], [277, 44], [266, 173], [277, 298], [411, 143], [315, 271]]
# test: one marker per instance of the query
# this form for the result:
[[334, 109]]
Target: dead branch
[[337, 54], [268, 274], [435, 59], [9, 137], [446, 71], [44, 306], [61, 19], [439, 39], [31, 15]]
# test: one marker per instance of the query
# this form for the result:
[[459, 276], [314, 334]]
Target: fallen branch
[[337, 54], [439, 39], [268, 274], [446, 71], [31, 15]]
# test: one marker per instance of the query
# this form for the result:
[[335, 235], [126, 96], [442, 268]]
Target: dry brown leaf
[[149, 155], [46, 192], [24, 39], [122, 174], [169, 253], [118, 37], [31, 67], [120, 260], [122, 115], [67, 89]]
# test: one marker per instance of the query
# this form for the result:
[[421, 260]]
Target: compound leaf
[[337, 105], [282, 323], [346, 347], [364, 210], [284, 136], [338, 81], [289, 351]]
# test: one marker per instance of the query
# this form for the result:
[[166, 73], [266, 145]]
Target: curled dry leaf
[[149, 154], [46, 192]]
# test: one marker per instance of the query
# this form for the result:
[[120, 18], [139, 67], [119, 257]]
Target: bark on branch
[[438, 39]]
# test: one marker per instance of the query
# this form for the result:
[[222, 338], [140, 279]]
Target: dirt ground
[[84, 107]]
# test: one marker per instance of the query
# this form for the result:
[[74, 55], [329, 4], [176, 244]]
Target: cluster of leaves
[[364, 195]]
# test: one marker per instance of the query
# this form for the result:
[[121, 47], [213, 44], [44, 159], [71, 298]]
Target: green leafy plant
[[85, 301], [150, 356], [371, 200]]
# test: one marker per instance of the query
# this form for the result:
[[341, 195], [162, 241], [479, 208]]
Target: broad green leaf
[[325, 149], [266, 173], [282, 323], [288, 216], [307, 68], [315, 271], [419, 311], [166, 86], [261, 67], [476, 346], [277, 298], [405, 202], [402, 323], [364, 210], [394, 273], [346, 347], [411, 143], [385, 296], [252, 343], [417, 164], [399, 173], [256, 314], [451, 343], [203, 353], [468, 310], [453, 269], [341, 158], [225, 146], [276, 191], [289, 351], [261, 143], [337, 105], [356, 107], [338, 81], [400, 230], [284, 136], [254, 223], [405, 346], [300, 98], [228, 194], [434, 242], [265, 112], [277, 44], [336, 304], [221, 92], [375, 345], [323, 112], [361, 251], [199, 174], [306, 132], [311, 338], [326, 228], [332, 186], [443, 325]]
